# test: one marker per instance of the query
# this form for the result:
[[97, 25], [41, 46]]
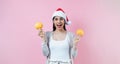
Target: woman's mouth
[[59, 25]]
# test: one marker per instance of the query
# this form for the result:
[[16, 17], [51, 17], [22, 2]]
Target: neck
[[60, 31]]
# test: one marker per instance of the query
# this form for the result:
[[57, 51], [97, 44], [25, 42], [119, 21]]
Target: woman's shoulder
[[71, 36], [71, 33], [48, 32]]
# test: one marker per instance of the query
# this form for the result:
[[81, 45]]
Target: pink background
[[100, 19]]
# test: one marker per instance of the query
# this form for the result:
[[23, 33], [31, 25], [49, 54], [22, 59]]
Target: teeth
[[59, 25]]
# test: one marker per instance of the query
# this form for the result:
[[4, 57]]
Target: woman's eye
[[56, 19], [61, 18]]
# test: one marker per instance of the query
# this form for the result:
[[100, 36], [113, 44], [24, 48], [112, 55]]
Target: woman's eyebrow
[[56, 18]]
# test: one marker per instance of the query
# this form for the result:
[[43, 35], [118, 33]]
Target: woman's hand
[[76, 40], [42, 35]]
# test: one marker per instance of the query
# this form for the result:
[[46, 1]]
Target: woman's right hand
[[42, 35]]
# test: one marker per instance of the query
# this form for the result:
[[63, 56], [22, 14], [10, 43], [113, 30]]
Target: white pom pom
[[69, 22]]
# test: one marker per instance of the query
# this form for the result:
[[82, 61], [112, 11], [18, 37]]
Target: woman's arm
[[75, 40], [45, 49], [44, 37], [74, 52]]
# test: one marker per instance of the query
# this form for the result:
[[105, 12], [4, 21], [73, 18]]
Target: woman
[[59, 45]]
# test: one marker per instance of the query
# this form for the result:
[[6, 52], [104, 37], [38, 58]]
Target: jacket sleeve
[[45, 48], [73, 50]]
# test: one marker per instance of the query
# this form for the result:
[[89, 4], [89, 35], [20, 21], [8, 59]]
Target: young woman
[[59, 45]]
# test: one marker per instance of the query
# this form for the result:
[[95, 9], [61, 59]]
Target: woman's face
[[59, 22]]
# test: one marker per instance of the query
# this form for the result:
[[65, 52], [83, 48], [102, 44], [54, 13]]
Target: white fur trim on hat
[[59, 13], [68, 22]]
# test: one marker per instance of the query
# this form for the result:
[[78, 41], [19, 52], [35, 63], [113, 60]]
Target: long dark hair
[[54, 28]]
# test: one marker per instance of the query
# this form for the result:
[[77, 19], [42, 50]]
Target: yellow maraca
[[80, 32], [38, 25]]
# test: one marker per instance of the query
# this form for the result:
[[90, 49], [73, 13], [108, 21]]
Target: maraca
[[38, 25], [80, 32]]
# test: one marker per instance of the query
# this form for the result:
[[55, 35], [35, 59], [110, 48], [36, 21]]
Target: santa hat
[[61, 13]]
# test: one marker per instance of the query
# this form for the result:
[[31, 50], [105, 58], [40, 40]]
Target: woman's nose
[[59, 20]]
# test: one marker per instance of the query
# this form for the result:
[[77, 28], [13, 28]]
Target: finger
[[78, 36], [41, 30], [42, 34]]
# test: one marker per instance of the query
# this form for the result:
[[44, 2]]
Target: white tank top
[[59, 50]]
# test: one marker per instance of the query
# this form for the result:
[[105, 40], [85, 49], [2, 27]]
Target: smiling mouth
[[59, 25]]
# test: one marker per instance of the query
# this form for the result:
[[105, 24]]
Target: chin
[[59, 28]]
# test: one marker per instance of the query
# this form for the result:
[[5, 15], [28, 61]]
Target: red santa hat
[[61, 13]]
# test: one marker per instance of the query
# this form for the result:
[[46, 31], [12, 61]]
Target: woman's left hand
[[76, 40]]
